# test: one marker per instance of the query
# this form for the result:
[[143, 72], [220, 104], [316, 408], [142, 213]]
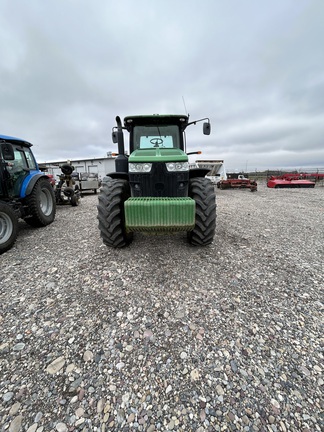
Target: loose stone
[[61, 427], [7, 396], [56, 365], [15, 425], [88, 356], [19, 346], [15, 408]]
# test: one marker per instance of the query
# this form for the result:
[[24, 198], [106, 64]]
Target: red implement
[[289, 181], [237, 181]]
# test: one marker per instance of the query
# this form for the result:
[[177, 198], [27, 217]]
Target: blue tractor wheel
[[41, 204], [8, 227]]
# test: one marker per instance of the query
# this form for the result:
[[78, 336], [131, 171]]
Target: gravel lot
[[162, 335]]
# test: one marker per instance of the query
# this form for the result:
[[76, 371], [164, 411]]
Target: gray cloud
[[254, 68]]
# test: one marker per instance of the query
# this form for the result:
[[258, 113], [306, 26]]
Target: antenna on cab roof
[[184, 104]]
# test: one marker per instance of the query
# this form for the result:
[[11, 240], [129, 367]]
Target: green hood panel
[[158, 155], [159, 214]]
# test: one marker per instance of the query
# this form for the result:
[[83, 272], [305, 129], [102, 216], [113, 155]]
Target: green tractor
[[153, 190]]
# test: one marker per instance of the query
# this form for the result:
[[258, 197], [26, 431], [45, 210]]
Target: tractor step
[[163, 214]]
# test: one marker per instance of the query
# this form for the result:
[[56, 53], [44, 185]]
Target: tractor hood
[[158, 155]]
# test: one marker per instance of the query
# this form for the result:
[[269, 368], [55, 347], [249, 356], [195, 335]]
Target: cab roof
[[15, 140], [156, 119]]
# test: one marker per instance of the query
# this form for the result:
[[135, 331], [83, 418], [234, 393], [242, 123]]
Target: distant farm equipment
[[294, 180], [216, 169], [238, 181], [66, 191], [86, 181]]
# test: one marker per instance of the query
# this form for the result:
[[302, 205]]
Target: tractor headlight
[[139, 167], [177, 166]]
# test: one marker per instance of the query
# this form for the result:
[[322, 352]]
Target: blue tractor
[[25, 192]]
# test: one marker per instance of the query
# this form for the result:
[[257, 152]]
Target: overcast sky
[[255, 68]]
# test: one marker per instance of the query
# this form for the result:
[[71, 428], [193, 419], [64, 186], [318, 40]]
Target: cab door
[[18, 170]]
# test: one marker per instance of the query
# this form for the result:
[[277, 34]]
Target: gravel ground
[[162, 335]]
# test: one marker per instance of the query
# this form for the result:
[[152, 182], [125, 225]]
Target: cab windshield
[[150, 137]]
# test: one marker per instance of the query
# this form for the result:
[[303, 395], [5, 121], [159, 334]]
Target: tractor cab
[[158, 164], [17, 164], [156, 131]]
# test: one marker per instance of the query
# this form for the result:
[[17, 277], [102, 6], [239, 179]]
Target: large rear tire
[[203, 192], [111, 213], [8, 227], [41, 204]]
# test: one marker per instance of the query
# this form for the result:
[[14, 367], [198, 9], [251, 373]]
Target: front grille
[[159, 182]]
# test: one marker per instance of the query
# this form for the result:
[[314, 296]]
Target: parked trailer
[[86, 181]]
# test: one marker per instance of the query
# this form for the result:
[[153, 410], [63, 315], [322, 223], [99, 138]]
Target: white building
[[100, 166]]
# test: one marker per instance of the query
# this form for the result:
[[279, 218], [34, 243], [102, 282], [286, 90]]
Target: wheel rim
[[46, 202], [6, 227]]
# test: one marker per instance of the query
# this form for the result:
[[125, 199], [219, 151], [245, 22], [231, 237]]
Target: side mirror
[[7, 151], [114, 137], [207, 128]]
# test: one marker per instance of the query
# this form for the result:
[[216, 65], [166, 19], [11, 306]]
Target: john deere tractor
[[153, 190], [25, 192]]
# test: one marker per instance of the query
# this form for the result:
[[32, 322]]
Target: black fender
[[118, 175], [198, 172], [33, 181]]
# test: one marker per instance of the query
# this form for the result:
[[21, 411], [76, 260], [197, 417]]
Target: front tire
[[75, 200], [111, 213], [41, 204], [203, 192], [8, 227]]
